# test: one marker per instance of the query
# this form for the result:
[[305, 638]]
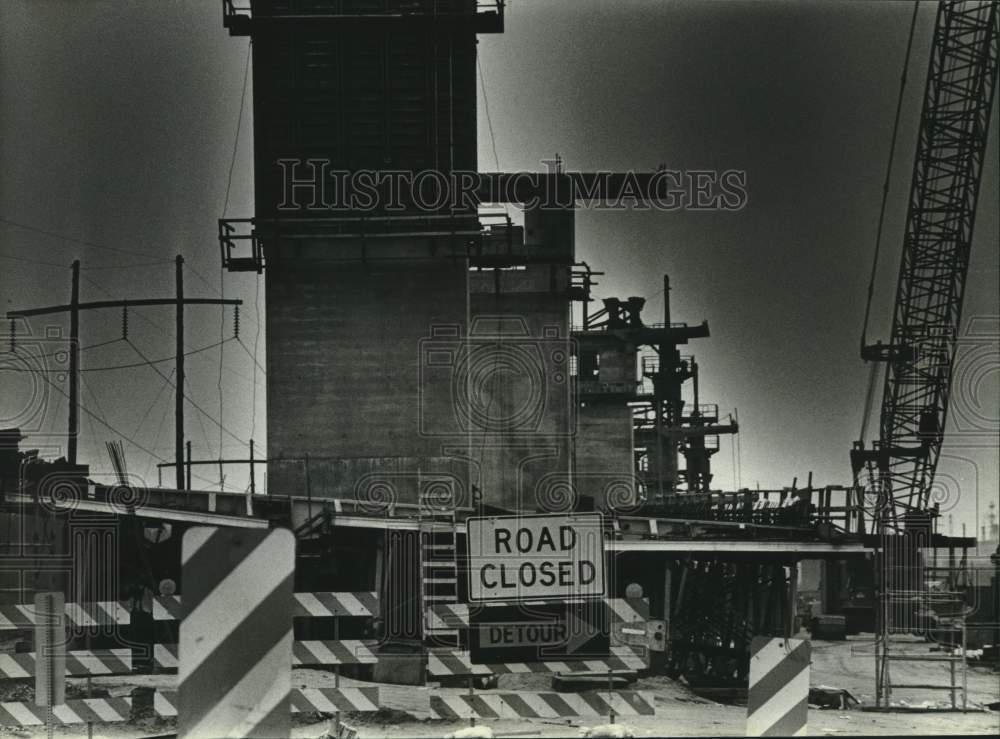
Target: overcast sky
[[117, 128]]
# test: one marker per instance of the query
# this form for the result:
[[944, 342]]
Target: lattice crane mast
[[958, 100], [920, 356]]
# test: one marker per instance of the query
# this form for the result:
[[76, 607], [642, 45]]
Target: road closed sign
[[512, 558]]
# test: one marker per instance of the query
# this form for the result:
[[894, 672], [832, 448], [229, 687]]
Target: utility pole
[[253, 485], [179, 396], [75, 306], [663, 446], [74, 364], [666, 300]]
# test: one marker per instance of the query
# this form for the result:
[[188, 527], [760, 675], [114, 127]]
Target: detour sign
[[514, 558]]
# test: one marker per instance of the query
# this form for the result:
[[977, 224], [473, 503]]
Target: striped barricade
[[303, 700], [111, 710], [304, 653], [335, 700], [342, 652], [445, 662], [591, 704], [78, 615], [335, 604], [622, 658], [168, 608], [95, 710], [456, 615], [440, 663], [78, 663], [90, 663], [778, 698]]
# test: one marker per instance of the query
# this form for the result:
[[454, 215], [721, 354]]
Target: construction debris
[[608, 731], [823, 696]]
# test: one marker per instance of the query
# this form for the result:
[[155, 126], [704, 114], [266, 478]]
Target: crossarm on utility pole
[[75, 306]]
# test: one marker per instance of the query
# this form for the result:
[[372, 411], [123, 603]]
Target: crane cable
[[222, 270], [873, 375]]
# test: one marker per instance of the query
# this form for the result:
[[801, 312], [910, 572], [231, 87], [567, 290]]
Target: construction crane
[[898, 469]]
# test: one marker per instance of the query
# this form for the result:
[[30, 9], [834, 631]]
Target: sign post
[[50, 653]]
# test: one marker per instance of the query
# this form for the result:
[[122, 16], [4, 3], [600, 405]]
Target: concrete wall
[[605, 454], [519, 352], [605, 360], [617, 366], [387, 97], [345, 381], [346, 387]]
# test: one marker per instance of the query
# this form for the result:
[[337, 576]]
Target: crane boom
[[958, 99], [951, 146]]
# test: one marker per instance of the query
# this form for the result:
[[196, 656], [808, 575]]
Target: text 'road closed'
[[535, 557]]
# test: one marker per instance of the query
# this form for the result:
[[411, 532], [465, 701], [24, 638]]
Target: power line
[[204, 433], [171, 358], [489, 122], [239, 125], [149, 408], [888, 175], [100, 344], [28, 339], [188, 397], [33, 261], [225, 209], [117, 432], [105, 423], [158, 326], [93, 395], [133, 265], [489, 118], [81, 242], [159, 429], [257, 365], [115, 366], [100, 267]]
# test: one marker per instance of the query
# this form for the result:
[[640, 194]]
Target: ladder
[[438, 568]]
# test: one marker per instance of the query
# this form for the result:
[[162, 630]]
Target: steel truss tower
[[900, 467]]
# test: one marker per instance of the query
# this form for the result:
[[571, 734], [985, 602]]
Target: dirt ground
[[680, 712]]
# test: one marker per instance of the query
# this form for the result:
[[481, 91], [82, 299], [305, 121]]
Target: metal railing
[[581, 328], [488, 15], [598, 387], [241, 240]]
